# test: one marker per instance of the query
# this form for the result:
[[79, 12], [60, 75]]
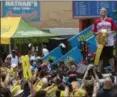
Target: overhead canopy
[[62, 31], [16, 30]]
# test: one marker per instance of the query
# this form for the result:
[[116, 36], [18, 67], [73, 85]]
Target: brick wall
[[56, 14]]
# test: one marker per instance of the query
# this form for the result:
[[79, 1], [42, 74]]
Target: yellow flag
[[27, 74], [23, 67], [28, 68], [98, 53], [102, 39]]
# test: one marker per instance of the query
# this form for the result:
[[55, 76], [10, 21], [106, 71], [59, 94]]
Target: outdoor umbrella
[[16, 30]]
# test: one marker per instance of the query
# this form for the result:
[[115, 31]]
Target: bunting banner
[[54, 54], [85, 35], [73, 54], [92, 43]]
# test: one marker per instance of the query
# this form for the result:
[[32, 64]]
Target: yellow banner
[[27, 74], [8, 27]]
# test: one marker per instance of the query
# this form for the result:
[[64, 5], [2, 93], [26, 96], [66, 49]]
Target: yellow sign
[[8, 27]]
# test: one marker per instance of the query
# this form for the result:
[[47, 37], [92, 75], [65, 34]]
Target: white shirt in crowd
[[45, 51], [14, 61]]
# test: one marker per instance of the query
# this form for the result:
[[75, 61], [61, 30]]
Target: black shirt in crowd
[[107, 92]]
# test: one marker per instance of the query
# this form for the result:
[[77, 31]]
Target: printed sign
[[28, 10], [85, 35], [73, 54], [54, 54]]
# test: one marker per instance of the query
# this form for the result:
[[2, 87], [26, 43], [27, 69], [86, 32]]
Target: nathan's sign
[[85, 36], [28, 10]]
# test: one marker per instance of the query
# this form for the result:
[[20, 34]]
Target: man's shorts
[[107, 53]]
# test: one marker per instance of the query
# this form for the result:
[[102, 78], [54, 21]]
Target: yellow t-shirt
[[78, 93]]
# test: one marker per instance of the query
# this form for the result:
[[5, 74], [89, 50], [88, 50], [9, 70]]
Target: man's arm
[[66, 91], [85, 75], [95, 87], [94, 29]]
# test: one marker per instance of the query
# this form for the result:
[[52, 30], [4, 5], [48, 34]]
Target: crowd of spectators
[[65, 79]]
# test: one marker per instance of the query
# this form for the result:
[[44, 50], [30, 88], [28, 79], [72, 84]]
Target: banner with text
[[73, 54], [54, 54], [28, 10], [85, 35]]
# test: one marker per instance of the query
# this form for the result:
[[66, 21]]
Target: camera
[[90, 73]]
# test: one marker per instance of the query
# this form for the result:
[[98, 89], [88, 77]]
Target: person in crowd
[[4, 92], [45, 50], [41, 93], [49, 67], [3, 54], [63, 68], [63, 47], [58, 82], [105, 22], [29, 46], [12, 59], [36, 56], [72, 65], [34, 60], [17, 51], [107, 90], [8, 60]]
